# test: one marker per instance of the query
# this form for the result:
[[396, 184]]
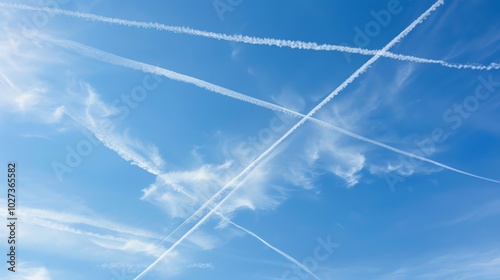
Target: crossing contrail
[[125, 152], [263, 157], [243, 38], [147, 68]]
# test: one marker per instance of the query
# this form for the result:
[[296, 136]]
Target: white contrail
[[491, 66], [245, 39], [115, 144], [61, 227], [263, 156], [401, 152], [147, 68], [88, 221], [6, 81], [288, 257]]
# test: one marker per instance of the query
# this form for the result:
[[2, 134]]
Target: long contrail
[[243, 38], [264, 155], [147, 68]]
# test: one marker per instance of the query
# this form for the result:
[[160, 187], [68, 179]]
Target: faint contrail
[[245, 39], [61, 227], [288, 257], [6, 81], [263, 156], [147, 68], [87, 221]]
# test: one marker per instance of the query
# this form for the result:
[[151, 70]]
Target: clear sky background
[[111, 159]]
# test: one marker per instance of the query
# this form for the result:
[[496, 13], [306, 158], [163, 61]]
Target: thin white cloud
[[484, 211], [131, 246], [301, 174], [22, 62], [178, 193], [38, 233], [37, 136], [290, 99], [65, 228], [246, 39], [403, 77], [202, 265], [94, 246], [316, 153], [455, 265], [62, 222], [29, 271], [203, 240]]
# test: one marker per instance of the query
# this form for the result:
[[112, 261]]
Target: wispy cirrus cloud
[[29, 271], [490, 209], [93, 114], [23, 64], [455, 265], [203, 182], [99, 223], [202, 265]]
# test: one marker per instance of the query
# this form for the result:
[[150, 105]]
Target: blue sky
[[122, 131]]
